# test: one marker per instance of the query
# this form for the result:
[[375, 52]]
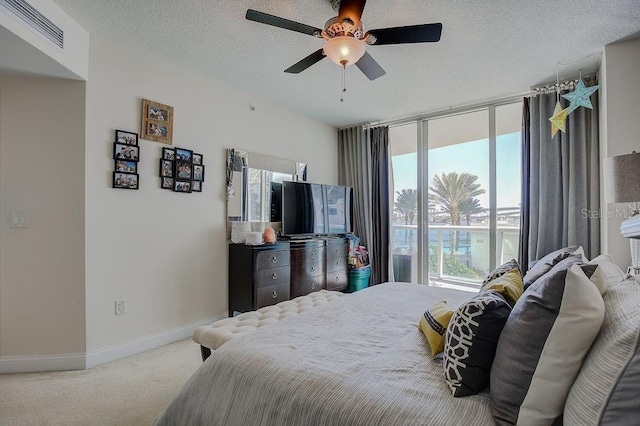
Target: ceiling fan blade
[[306, 62], [370, 67], [410, 34], [351, 9], [276, 21]]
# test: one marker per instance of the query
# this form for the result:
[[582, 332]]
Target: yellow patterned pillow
[[434, 324], [509, 285]]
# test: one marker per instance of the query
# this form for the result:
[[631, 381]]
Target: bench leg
[[206, 352]]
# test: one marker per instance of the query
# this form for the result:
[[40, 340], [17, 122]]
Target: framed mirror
[[250, 180]]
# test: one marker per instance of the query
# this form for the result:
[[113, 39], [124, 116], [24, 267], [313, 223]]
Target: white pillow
[[607, 273]]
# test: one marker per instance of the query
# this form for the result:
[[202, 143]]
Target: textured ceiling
[[489, 49]]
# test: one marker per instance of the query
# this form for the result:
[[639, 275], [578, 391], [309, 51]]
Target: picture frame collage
[[157, 122], [181, 170], [126, 155]]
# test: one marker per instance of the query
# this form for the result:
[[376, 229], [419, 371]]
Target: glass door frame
[[423, 179]]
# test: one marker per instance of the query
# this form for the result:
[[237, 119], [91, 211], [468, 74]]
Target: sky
[[473, 158]]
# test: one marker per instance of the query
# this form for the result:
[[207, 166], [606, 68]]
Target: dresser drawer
[[308, 255], [271, 276], [307, 285], [272, 258], [336, 264], [337, 250], [337, 280], [272, 294]]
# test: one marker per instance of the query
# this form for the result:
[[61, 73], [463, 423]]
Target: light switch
[[19, 220]]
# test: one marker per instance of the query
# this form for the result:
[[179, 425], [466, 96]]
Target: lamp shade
[[622, 178], [344, 50]]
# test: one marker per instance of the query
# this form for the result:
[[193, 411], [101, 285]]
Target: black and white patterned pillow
[[471, 342]]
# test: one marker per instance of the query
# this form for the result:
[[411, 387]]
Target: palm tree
[[407, 205], [451, 191], [470, 207]]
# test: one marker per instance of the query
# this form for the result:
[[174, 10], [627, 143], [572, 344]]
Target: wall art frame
[[157, 122]]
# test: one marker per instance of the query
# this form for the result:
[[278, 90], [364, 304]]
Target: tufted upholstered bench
[[211, 337]]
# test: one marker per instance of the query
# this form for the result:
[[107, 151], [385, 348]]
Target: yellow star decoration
[[559, 119]]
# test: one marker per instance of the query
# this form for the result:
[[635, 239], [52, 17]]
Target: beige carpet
[[130, 391]]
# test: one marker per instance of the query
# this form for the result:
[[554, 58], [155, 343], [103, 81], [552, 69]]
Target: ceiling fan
[[346, 38]]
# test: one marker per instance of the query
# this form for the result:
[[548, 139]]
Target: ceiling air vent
[[34, 19]]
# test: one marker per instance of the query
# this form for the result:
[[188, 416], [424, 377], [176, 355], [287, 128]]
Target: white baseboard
[[81, 361], [33, 363], [132, 347]]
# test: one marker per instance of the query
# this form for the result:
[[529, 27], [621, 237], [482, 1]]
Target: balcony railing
[[467, 264]]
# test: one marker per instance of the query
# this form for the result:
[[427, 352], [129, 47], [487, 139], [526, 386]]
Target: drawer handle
[[313, 268], [337, 251], [337, 279], [274, 295], [274, 276], [313, 286], [338, 263], [313, 255], [274, 259]]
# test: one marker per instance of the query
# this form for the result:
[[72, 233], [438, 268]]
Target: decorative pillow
[[607, 387], [509, 285], [543, 345], [500, 271], [545, 264], [472, 338], [434, 324], [610, 271]]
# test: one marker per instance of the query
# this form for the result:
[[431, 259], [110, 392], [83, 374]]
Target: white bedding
[[359, 360]]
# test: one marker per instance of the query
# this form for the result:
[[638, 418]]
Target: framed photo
[[184, 155], [122, 151], [125, 166], [167, 183], [181, 185], [168, 154], [166, 168], [184, 170], [125, 180], [197, 158], [127, 138], [157, 122], [198, 172], [196, 186]]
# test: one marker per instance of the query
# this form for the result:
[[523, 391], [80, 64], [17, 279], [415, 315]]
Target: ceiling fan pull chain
[[344, 81]]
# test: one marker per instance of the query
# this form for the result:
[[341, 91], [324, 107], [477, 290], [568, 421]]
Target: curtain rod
[[563, 85], [440, 113]]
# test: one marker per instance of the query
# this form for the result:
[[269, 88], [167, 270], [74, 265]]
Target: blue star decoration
[[580, 96]]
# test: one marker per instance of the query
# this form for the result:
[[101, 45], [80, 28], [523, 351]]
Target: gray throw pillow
[[545, 264], [543, 345], [500, 271]]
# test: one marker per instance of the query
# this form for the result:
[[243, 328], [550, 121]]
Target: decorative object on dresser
[[622, 185], [181, 170], [126, 154], [157, 122]]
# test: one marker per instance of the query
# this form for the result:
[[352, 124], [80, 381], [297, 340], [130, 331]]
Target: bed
[[359, 360]]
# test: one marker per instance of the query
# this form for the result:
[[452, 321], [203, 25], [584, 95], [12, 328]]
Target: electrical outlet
[[121, 308]]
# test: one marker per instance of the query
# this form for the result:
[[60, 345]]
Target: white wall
[[165, 253], [42, 173], [620, 129]]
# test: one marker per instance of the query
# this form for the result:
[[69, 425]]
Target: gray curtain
[[363, 165], [563, 179]]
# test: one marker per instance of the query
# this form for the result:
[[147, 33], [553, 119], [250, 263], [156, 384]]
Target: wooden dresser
[[270, 273], [258, 276]]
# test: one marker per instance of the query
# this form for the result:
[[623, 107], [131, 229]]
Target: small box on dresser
[[259, 276]]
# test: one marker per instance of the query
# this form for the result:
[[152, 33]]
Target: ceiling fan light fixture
[[344, 50]]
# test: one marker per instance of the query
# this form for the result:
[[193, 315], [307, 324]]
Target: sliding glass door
[[456, 194]]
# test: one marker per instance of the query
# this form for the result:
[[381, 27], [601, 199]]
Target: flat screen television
[[314, 209]]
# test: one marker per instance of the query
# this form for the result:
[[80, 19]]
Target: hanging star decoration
[[559, 119], [580, 96]]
